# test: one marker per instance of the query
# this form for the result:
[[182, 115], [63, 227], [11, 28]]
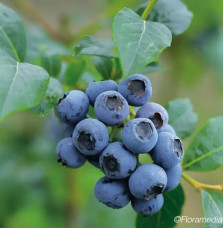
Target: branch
[[199, 186], [148, 9], [35, 15]]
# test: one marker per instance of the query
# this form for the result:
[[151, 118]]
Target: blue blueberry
[[154, 112], [111, 108], [117, 162], [173, 177], [147, 181], [136, 89], [167, 128], [139, 135], [96, 88], [94, 160], [69, 130], [54, 128], [73, 107], [148, 207], [90, 136], [113, 193], [68, 155], [168, 151]]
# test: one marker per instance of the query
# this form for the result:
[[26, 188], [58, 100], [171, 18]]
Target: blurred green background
[[37, 192]]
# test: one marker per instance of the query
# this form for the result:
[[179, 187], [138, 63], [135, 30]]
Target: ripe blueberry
[[96, 88], [147, 181], [136, 89], [173, 177], [167, 128], [73, 107], [154, 112], [139, 135], [168, 150], [117, 162], [148, 207], [90, 136], [113, 193], [111, 108], [68, 155]]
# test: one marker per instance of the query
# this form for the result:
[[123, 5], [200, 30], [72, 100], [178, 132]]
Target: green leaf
[[152, 68], [138, 42], [22, 86], [103, 66], [212, 203], [205, 151], [74, 71], [50, 62], [12, 34], [91, 46], [173, 203], [182, 117], [53, 93], [172, 13]]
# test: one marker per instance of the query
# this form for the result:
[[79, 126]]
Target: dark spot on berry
[[130, 171], [62, 98], [152, 192], [116, 116], [157, 120], [144, 130], [110, 165], [178, 147], [137, 87], [86, 140], [114, 103], [59, 159]]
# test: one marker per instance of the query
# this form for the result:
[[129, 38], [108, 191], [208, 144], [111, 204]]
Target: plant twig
[[148, 9], [112, 134], [132, 112], [199, 186], [35, 15]]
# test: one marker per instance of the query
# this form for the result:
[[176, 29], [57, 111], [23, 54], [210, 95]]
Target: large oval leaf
[[173, 202], [138, 42], [89, 45], [205, 152], [182, 117], [212, 203], [22, 86], [12, 34]]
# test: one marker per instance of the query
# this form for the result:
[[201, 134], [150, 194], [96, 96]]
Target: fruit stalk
[[199, 186]]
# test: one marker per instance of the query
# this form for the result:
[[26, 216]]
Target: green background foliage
[[37, 65]]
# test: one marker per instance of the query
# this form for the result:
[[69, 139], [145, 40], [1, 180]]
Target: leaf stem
[[148, 9], [199, 186]]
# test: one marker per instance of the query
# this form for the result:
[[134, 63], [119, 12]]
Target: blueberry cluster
[[147, 132]]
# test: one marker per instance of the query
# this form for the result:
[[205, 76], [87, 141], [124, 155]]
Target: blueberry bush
[[99, 93]]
